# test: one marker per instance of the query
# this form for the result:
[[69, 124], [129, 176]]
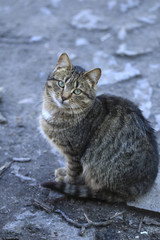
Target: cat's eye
[[77, 91], [61, 84]]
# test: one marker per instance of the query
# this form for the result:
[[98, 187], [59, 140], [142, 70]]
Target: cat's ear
[[94, 75], [64, 61]]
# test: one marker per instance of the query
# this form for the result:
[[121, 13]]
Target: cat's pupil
[[77, 91], [61, 84]]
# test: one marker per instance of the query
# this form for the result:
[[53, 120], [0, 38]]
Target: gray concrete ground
[[121, 37]]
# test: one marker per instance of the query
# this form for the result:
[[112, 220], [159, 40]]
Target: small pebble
[[144, 232], [35, 39], [21, 159], [3, 120]]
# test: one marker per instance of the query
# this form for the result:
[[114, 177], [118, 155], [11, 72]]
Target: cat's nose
[[64, 98]]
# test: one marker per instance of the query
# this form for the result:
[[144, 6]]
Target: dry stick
[[38, 203], [116, 215], [88, 220], [84, 225], [140, 225], [82, 231]]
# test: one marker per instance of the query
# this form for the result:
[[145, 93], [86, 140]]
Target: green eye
[[61, 84], [77, 91]]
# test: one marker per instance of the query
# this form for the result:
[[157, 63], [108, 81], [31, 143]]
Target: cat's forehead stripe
[[77, 84], [73, 79], [67, 79]]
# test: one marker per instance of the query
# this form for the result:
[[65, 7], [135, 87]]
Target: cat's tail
[[82, 191]]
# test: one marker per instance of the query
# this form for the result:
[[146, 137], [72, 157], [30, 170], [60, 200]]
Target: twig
[[140, 225], [116, 215], [74, 223], [38, 203], [5, 167], [84, 225], [88, 220], [82, 231]]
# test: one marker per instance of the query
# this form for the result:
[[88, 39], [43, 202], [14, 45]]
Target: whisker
[[37, 104]]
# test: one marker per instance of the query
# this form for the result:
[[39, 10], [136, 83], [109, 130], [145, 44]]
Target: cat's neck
[[65, 117]]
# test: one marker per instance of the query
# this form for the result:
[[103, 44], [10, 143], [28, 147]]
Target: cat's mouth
[[60, 102]]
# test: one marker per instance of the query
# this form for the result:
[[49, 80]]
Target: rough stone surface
[[32, 36], [149, 201]]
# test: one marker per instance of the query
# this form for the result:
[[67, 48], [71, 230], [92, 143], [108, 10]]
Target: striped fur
[[108, 144]]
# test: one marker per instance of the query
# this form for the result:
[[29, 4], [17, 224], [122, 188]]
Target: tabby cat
[[110, 149]]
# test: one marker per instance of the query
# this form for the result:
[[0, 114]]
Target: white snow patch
[[122, 30], [142, 95], [81, 42], [85, 19], [35, 39], [22, 177], [112, 76], [123, 51], [122, 33]]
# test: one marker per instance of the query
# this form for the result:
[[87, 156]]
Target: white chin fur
[[56, 101], [46, 115]]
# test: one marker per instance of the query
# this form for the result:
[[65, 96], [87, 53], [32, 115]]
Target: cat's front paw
[[60, 179], [70, 180], [61, 176], [65, 179], [60, 172]]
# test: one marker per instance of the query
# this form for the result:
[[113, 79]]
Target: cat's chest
[[76, 135]]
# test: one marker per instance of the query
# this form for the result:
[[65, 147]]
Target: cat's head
[[72, 87]]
